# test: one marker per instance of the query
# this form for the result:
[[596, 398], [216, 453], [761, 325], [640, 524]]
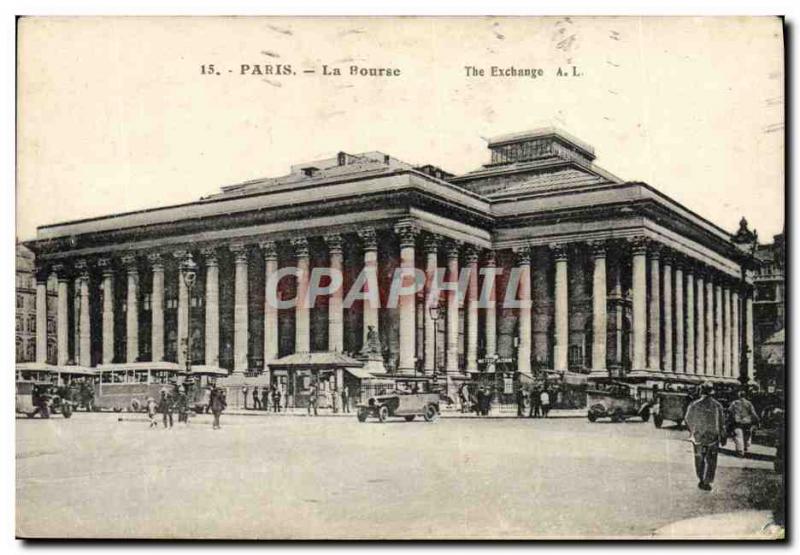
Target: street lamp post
[[435, 312], [189, 270]]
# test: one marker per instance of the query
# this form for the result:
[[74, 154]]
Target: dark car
[[44, 399], [401, 404]]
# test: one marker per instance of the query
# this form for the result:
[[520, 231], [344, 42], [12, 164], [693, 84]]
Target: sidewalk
[[510, 413]]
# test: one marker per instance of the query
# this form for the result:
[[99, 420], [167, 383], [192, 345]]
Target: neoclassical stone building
[[621, 279]]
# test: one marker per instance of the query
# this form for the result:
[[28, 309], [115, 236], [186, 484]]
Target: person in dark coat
[[165, 408], [276, 399], [536, 404], [486, 401], [256, 399], [345, 400], [182, 404], [705, 419], [312, 400], [218, 404], [521, 401]]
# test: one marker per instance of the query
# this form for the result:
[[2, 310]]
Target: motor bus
[[127, 386]]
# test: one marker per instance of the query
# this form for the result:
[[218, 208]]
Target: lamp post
[[435, 312], [189, 270]]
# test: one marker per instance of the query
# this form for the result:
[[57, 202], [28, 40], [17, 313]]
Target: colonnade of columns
[[685, 317]]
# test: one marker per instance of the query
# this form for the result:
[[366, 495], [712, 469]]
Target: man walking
[[218, 404], [743, 416], [165, 408], [536, 404], [265, 398], [245, 391], [521, 401], [544, 400], [345, 400], [256, 399], [276, 399], [705, 419], [312, 400]]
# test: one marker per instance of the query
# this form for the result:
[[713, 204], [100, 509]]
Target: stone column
[[490, 315], [700, 325], [270, 310], [62, 318], [749, 349], [41, 316], [599, 304], [183, 309], [451, 342], [369, 242], [654, 349], [680, 354], [132, 313], [471, 257], [107, 269], [407, 303], [710, 336], [85, 333], [335, 301], [524, 296], [690, 322], [561, 347], [618, 312], [719, 354], [666, 285], [157, 307], [639, 287], [431, 264], [211, 306], [302, 330], [736, 348], [726, 332], [240, 319]]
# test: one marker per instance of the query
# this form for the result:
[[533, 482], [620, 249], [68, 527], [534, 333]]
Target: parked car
[[670, 405], [616, 400], [401, 404], [41, 398]]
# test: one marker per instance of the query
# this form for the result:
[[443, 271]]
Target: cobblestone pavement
[[98, 476]]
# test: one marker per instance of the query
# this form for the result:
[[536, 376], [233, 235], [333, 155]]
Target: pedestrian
[[256, 399], [312, 400], [477, 401], [265, 398], [218, 404], [520, 401], [536, 404], [743, 417], [276, 399], [486, 401], [165, 408], [544, 401], [705, 419], [463, 396], [244, 393], [151, 412], [182, 404], [345, 400]]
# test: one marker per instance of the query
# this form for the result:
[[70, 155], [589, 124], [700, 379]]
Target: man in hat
[[256, 399], [705, 419], [743, 416], [218, 404], [165, 408]]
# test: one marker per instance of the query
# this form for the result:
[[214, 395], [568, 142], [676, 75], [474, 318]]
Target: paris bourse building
[[622, 280]]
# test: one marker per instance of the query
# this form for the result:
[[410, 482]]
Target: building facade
[[610, 278], [27, 316], [769, 314]]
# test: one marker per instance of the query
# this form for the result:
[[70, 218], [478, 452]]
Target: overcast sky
[[115, 115]]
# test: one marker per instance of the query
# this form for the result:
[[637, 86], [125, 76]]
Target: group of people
[[478, 401], [176, 399], [538, 402], [710, 425], [262, 397]]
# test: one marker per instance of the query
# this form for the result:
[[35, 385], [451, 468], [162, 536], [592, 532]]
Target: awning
[[360, 373], [207, 370], [36, 367], [316, 360], [163, 365]]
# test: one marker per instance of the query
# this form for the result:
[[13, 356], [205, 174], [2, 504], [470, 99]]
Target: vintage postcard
[[400, 278]]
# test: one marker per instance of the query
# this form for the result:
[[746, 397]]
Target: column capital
[[452, 248], [210, 255], [599, 249], [522, 255], [471, 253], [270, 249], [60, 270], [655, 250], [240, 251], [431, 244], [82, 268], [41, 274], [129, 261], [334, 243], [180, 255], [560, 251], [369, 239], [300, 246], [407, 231], [489, 258], [639, 244], [156, 261], [106, 265], [667, 256]]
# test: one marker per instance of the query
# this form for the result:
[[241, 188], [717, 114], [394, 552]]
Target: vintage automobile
[[616, 400], [670, 405], [42, 398], [400, 403]]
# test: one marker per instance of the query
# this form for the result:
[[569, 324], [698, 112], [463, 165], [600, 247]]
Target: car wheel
[[66, 411], [30, 414], [362, 416], [430, 413], [645, 414], [409, 418], [135, 406], [591, 416], [383, 413], [658, 421]]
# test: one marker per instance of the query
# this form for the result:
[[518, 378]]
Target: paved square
[[298, 477]]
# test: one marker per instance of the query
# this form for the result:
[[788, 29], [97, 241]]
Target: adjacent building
[[26, 314], [614, 278]]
